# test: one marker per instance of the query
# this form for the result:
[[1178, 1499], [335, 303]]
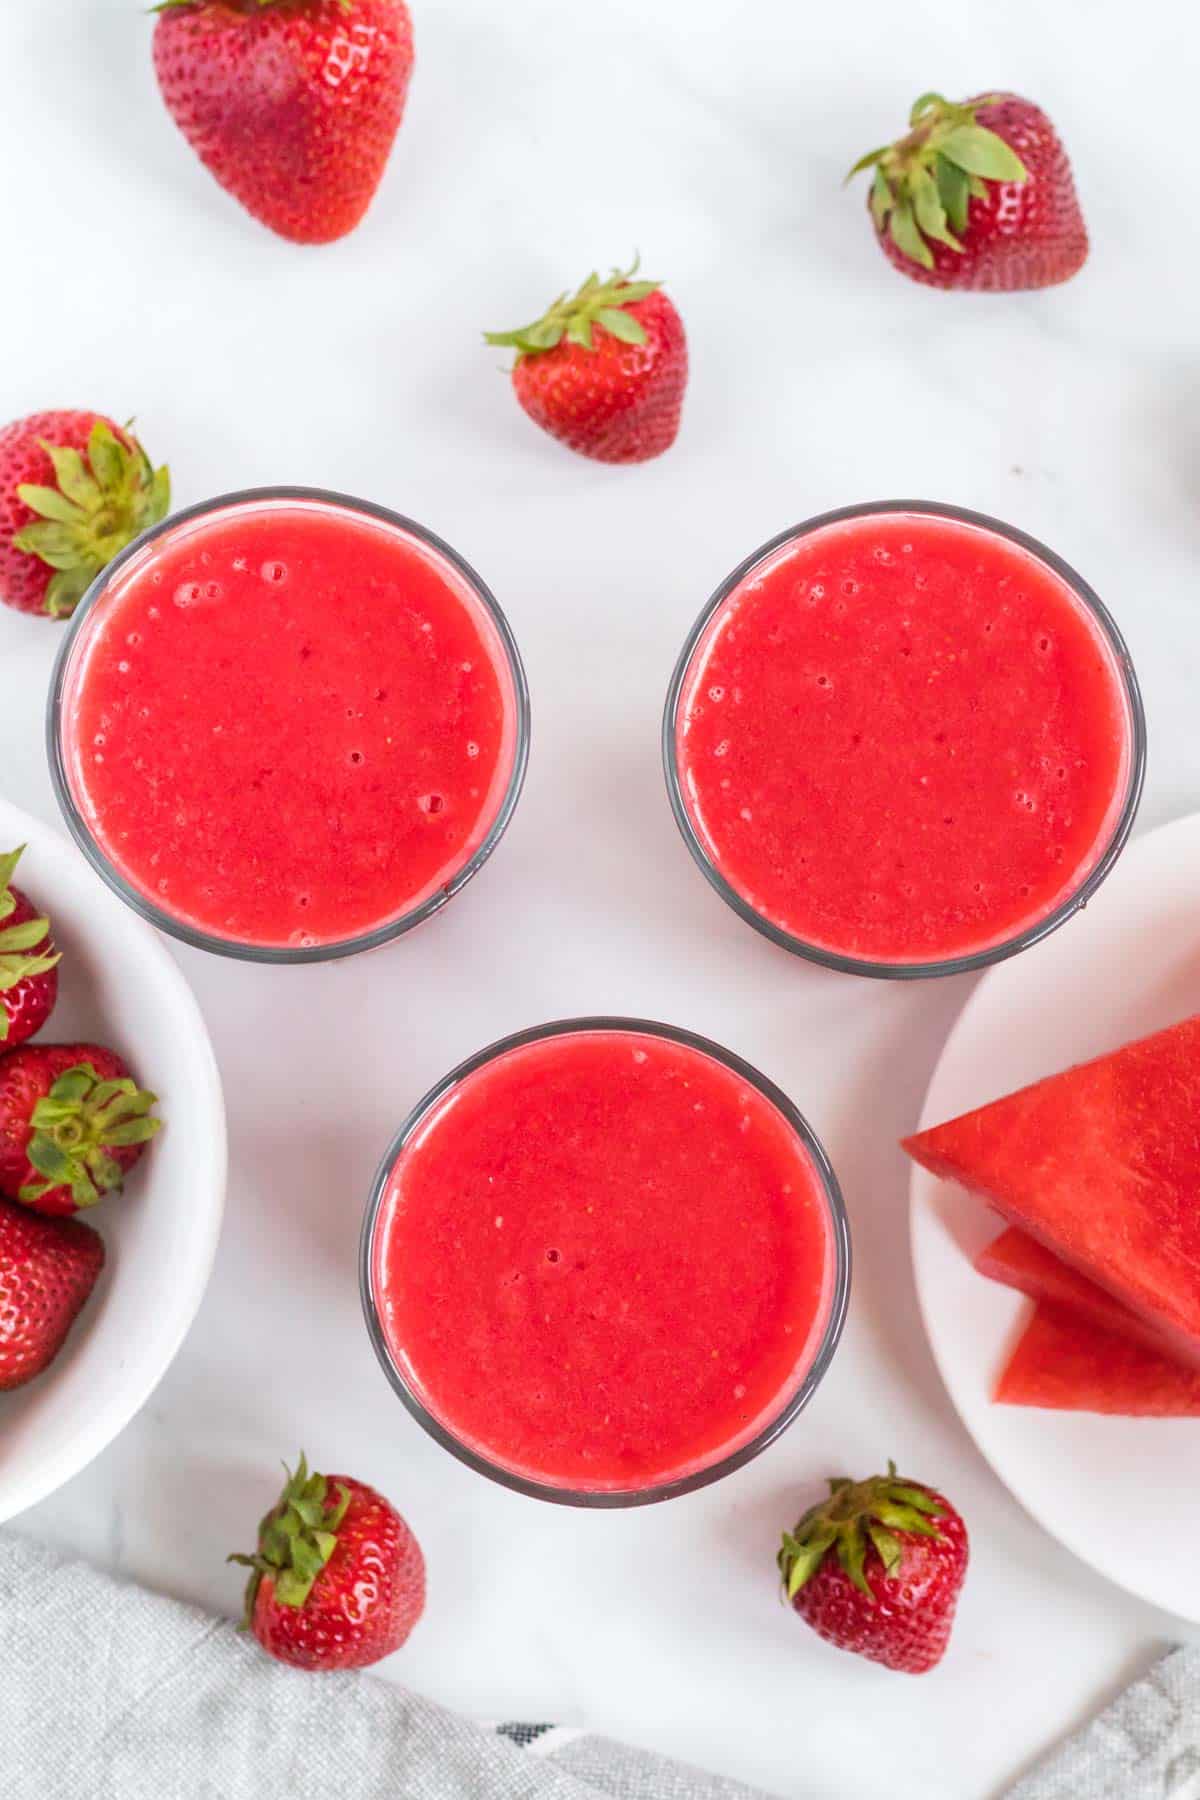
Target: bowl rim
[[106, 1421]]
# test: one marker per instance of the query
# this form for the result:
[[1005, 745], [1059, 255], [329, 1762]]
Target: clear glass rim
[[796, 1400], [954, 965], [287, 953]]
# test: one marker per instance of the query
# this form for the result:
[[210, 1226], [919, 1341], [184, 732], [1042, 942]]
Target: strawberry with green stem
[[604, 370], [977, 194], [28, 961], [877, 1569], [48, 1267], [337, 1579], [74, 490], [73, 1122]]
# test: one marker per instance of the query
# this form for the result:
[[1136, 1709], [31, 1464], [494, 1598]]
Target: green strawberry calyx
[[575, 316], [858, 1516], [78, 1125], [296, 1538], [16, 941], [923, 184], [100, 502]]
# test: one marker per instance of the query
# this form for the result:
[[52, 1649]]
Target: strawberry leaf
[[8, 868], [929, 212], [622, 325], [65, 591], [888, 1547], [74, 480], [982, 152], [574, 317], [882, 199], [50, 503], [908, 240], [868, 161], [53, 542], [26, 936], [953, 191], [107, 457]]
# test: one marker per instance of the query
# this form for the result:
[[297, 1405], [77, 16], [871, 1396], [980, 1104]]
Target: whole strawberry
[[877, 1569], [48, 1267], [292, 104], [338, 1579], [72, 1124], [604, 370], [28, 961], [74, 489], [978, 195]]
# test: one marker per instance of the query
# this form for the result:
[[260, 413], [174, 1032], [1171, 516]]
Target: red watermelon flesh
[[1102, 1165], [1019, 1261], [1065, 1363]]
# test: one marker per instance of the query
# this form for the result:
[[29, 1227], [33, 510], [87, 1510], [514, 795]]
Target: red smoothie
[[288, 723], [604, 1261], [903, 738]]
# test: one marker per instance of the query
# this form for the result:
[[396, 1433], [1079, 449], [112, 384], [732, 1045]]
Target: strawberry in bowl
[[48, 1268], [28, 961], [73, 1122], [94, 1307]]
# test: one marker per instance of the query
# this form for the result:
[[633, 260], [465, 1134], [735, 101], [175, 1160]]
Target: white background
[[712, 135]]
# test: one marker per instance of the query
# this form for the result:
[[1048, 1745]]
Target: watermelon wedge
[[1102, 1165], [1019, 1261], [1065, 1363]]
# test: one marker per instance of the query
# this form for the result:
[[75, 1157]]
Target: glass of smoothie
[[904, 740], [286, 725], [605, 1262]]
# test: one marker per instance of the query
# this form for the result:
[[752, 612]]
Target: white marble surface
[[713, 136]]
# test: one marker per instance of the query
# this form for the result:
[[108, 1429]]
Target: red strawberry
[[74, 489], [292, 104], [72, 1123], [877, 1569], [48, 1267], [28, 961], [338, 1578], [605, 370], [978, 195]]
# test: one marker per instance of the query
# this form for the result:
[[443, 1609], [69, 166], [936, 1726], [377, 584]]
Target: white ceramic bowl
[[118, 985]]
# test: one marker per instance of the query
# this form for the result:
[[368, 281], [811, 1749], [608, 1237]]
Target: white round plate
[[119, 986], [1120, 1493]]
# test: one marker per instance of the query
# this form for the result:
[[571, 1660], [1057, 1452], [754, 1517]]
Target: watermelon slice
[[1102, 1165], [1067, 1364], [1019, 1261]]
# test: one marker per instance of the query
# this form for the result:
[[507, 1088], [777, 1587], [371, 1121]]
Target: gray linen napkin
[[108, 1692], [1145, 1746]]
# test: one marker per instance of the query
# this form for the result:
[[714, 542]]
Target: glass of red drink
[[605, 1262], [904, 740], [286, 725]]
